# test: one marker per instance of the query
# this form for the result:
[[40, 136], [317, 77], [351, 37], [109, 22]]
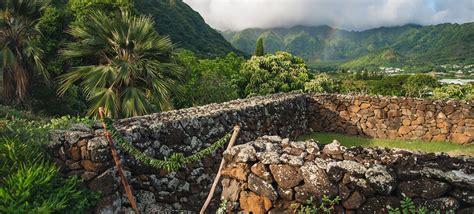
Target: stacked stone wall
[[393, 117], [277, 175], [83, 151]]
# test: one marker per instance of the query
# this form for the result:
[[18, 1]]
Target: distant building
[[456, 81]]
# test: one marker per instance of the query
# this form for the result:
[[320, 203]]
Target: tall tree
[[132, 71], [19, 56], [259, 47]]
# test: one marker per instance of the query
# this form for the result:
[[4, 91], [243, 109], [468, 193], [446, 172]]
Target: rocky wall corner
[[393, 117], [275, 175], [83, 151]]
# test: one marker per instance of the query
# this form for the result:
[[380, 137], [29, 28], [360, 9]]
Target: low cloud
[[344, 14]]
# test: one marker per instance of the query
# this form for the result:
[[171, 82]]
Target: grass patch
[[416, 145]]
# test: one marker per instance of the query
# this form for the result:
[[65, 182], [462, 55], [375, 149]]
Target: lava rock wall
[[84, 151], [276, 175], [393, 117]]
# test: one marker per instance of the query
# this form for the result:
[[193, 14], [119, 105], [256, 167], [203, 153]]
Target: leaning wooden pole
[[118, 164], [218, 176]]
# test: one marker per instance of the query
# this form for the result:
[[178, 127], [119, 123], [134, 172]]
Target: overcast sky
[[344, 14]]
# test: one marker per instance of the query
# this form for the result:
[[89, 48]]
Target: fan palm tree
[[19, 57], [133, 71]]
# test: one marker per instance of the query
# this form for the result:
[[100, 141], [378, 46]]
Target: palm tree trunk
[[20, 76], [8, 86]]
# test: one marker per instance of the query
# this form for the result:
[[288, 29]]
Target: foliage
[[259, 48], [465, 92], [208, 80], [82, 9], [134, 70], [388, 86], [185, 27], [420, 85], [223, 207], [28, 130], [354, 86], [407, 206], [173, 162], [29, 182], [280, 72], [322, 83], [326, 205], [385, 57], [19, 55]]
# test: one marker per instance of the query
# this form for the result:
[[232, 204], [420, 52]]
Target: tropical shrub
[[465, 92], [408, 206], [279, 72], [208, 80], [354, 86], [29, 183], [420, 85], [388, 86], [131, 69], [322, 83]]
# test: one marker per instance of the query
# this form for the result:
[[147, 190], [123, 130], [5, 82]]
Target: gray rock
[[464, 195], [145, 197], [97, 143], [334, 148], [425, 188], [292, 159], [351, 167], [379, 178], [444, 204], [316, 181], [80, 127], [262, 187], [268, 157], [241, 153]]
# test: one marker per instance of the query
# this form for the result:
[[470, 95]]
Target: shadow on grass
[[415, 145]]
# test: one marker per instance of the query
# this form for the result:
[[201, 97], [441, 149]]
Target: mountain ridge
[[185, 27], [440, 43]]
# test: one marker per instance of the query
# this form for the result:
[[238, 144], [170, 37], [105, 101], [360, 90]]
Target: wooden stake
[[218, 176], [118, 164]]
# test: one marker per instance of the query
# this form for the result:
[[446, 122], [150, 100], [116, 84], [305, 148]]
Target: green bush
[[322, 83], [208, 80], [280, 72], [420, 85], [29, 183], [465, 92]]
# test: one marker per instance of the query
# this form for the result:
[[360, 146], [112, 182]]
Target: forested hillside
[[185, 27], [444, 43]]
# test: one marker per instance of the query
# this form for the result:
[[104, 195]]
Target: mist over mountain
[[436, 43]]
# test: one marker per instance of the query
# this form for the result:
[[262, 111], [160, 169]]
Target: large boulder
[[424, 188], [286, 176]]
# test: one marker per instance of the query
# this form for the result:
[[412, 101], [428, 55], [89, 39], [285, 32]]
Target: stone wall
[[83, 150], [393, 117], [276, 175]]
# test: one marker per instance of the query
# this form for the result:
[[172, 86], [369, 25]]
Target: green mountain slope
[[387, 57], [185, 27], [442, 43]]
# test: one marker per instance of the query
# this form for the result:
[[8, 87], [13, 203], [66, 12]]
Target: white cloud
[[345, 14]]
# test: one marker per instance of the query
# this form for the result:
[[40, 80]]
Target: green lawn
[[424, 146]]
